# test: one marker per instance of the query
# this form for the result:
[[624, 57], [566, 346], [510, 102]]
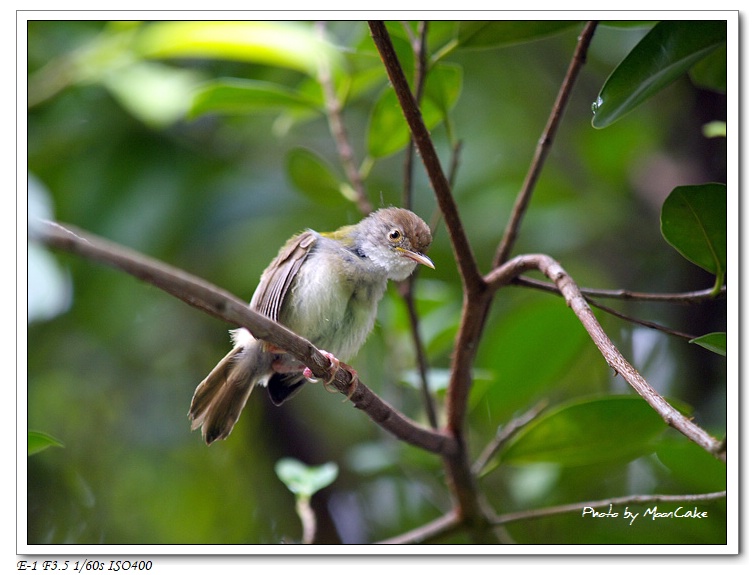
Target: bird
[[324, 287]]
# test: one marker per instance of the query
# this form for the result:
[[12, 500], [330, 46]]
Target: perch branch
[[227, 307]]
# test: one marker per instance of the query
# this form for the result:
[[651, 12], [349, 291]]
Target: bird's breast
[[335, 311]]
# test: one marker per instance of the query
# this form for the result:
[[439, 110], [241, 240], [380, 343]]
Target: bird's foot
[[335, 363]]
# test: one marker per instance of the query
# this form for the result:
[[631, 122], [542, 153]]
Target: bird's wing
[[276, 280]]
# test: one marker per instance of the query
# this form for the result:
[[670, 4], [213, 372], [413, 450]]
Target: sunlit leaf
[[587, 431], [715, 342], [38, 441], [281, 44], [238, 96], [693, 220], [669, 50], [714, 130], [305, 480], [158, 95]]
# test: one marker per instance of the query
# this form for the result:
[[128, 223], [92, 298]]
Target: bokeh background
[[113, 363]]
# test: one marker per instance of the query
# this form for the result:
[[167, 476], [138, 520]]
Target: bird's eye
[[394, 235]]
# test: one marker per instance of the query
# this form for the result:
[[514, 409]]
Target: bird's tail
[[219, 399]]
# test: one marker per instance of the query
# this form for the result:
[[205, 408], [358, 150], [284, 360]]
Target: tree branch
[[574, 299], [546, 140], [227, 307], [462, 249]]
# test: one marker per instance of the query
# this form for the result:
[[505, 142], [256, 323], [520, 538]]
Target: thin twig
[[504, 434], [551, 269], [690, 297], [406, 288], [638, 321], [338, 130], [618, 501], [544, 145], [680, 298], [437, 528], [308, 520], [223, 305], [419, 45]]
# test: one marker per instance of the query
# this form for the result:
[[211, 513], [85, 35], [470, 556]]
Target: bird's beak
[[417, 257]]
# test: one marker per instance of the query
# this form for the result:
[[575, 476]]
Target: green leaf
[[486, 34], [38, 441], [238, 96], [693, 221], [710, 72], [281, 44], [443, 87], [529, 352], [668, 51], [303, 480], [692, 466], [312, 176], [714, 129], [388, 133], [715, 342], [609, 429]]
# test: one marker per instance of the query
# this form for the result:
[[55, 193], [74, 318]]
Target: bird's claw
[[333, 368]]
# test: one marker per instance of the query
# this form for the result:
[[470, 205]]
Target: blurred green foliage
[[206, 145]]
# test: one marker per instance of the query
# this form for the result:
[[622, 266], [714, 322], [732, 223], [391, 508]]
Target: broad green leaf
[[280, 44], [715, 342], [39, 441], [443, 87], [710, 72], [487, 34], [668, 51], [609, 429], [693, 467], [304, 480], [693, 221], [388, 133], [314, 178], [238, 96], [529, 352]]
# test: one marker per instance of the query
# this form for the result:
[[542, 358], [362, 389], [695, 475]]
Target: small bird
[[323, 286]]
